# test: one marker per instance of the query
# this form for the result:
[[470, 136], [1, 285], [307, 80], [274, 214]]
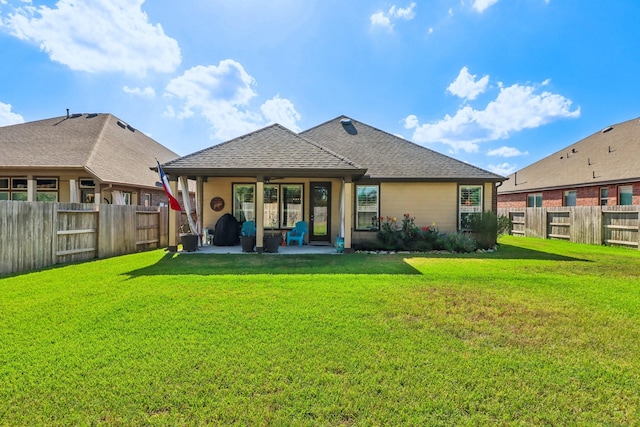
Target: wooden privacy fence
[[595, 225], [36, 234]]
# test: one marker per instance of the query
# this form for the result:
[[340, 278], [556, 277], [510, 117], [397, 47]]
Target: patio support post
[[174, 218], [200, 208], [259, 214], [348, 213]]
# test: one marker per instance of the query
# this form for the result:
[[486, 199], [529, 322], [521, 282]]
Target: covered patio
[[275, 178]]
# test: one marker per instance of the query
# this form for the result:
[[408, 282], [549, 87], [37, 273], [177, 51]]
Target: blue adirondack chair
[[297, 234], [248, 228]]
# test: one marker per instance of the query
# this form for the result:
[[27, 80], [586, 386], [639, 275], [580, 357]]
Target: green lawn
[[540, 332]]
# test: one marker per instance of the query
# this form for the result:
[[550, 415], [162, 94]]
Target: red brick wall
[[586, 196]]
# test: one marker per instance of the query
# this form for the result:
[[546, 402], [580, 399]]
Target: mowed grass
[[540, 332]]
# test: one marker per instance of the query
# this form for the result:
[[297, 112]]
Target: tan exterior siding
[[428, 203]]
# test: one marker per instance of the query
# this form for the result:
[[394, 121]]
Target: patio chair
[[297, 234], [248, 228]]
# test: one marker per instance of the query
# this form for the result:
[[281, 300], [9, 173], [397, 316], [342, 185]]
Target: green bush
[[487, 226], [394, 236]]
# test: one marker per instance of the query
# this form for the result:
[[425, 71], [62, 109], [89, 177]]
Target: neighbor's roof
[[101, 144], [610, 155], [273, 149], [387, 156]]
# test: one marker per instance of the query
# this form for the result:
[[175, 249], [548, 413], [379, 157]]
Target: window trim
[[468, 209], [624, 187], [605, 198], [535, 198], [280, 203], [375, 226], [564, 198]]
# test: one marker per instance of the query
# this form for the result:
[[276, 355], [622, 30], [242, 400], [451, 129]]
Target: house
[[89, 158], [602, 169], [340, 177]]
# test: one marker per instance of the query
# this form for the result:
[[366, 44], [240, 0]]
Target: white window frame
[[367, 214], [535, 200], [467, 206], [604, 199]]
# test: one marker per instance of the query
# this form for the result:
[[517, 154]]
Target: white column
[[259, 214], [348, 214], [73, 191], [31, 189]]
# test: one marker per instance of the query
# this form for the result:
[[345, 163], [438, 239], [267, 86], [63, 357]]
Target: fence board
[[596, 225], [38, 234]]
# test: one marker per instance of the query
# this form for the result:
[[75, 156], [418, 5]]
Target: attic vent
[[76, 115], [605, 130], [345, 122], [131, 128], [123, 125], [573, 150]]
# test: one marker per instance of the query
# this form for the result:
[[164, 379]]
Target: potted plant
[[272, 242], [248, 236], [188, 239]]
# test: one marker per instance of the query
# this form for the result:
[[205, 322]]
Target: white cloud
[[379, 19], [516, 107], [7, 117], [278, 110], [221, 95], [147, 92], [382, 20], [504, 169], [507, 152], [466, 86], [97, 36], [482, 5]]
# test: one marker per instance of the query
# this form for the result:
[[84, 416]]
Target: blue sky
[[496, 83]]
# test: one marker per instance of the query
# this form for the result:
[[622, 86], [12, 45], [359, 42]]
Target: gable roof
[[607, 156], [101, 144], [389, 157], [270, 150]]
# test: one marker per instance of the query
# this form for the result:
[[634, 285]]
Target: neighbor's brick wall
[[586, 196]]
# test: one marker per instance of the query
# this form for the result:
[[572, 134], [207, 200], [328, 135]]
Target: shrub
[[487, 226]]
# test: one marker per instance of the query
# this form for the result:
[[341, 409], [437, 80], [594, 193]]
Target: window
[[570, 198], [19, 189], [625, 195], [243, 201], [271, 206], [534, 200], [46, 189], [87, 190], [291, 204], [367, 207], [4, 188], [282, 204], [604, 196], [470, 203]]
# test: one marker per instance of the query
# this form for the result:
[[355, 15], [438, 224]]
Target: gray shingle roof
[[608, 156], [99, 143], [387, 156], [273, 148], [327, 148]]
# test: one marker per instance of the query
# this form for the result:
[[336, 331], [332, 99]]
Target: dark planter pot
[[272, 243], [189, 242], [248, 243]]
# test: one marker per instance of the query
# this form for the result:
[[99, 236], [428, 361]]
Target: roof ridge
[[97, 140], [220, 144]]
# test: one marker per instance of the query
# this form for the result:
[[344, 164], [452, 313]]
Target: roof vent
[[122, 124], [605, 130], [345, 122], [131, 128]]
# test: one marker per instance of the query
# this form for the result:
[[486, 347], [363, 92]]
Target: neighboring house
[[88, 158], [602, 169], [341, 177]]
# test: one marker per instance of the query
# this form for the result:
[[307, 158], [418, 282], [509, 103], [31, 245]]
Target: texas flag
[[173, 202]]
